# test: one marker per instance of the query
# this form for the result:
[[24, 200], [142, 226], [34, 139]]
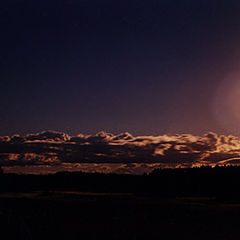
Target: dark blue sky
[[147, 67]]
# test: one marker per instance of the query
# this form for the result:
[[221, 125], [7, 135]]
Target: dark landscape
[[198, 203], [120, 119]]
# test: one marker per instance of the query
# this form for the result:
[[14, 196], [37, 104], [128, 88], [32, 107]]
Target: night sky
[[147, 67]]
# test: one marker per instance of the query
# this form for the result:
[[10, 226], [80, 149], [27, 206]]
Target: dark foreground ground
[[200, 203], [76, 215]]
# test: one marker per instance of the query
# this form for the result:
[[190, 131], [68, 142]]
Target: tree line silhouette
[[219, 182]]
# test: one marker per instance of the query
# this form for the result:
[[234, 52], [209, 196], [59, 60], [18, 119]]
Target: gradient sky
[[147, 67]]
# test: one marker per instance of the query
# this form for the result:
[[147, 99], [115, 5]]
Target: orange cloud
[[124, 152]]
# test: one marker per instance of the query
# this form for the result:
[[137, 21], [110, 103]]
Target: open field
[[77, 215]]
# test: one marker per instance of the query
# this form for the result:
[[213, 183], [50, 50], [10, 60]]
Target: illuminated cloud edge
[[121, 153]]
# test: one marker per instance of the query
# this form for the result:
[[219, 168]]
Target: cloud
[[122, 153], [48, 136]]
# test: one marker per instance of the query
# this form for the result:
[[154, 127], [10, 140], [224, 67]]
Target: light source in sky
[[226, 105]]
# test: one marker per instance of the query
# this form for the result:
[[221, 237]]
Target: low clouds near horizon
[[51, 151]]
